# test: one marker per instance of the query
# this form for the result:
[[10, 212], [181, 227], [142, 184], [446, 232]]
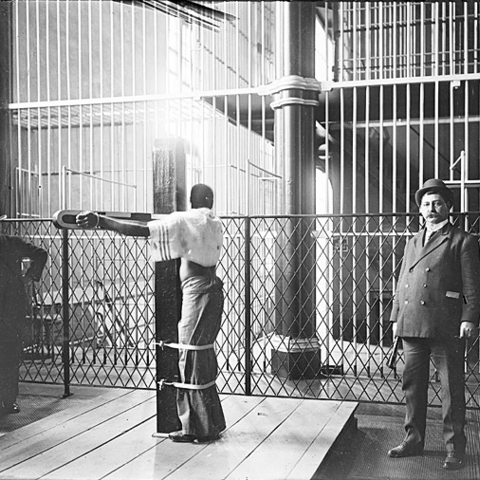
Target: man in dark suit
[[436, 307], [13, 307]]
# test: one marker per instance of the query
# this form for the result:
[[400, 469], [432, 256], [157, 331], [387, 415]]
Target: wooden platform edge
[[342, 442]]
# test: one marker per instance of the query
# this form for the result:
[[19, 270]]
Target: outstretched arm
[[130, 228]]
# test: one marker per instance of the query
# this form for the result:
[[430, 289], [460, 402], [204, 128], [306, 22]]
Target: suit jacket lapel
[[422, 251], [417, 245]]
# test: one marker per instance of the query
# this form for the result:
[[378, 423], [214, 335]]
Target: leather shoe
[[181, 437], [453, 461], [11, 408], [406, 449]]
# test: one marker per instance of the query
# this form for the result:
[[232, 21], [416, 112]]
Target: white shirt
[[195, 235], [431, 229]]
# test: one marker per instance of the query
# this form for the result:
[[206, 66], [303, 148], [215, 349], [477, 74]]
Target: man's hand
[[28, 278], [467, 329], [88, 219]]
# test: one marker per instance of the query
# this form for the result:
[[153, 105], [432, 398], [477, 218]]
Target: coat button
[[406, 302], [406, 286], [424, 285], [427, 269], [422, 302]]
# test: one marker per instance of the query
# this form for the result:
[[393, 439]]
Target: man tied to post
[[196, 238], [436, 307]]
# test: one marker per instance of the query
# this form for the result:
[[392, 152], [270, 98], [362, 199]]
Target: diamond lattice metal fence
[[307, 308], [317, 301]]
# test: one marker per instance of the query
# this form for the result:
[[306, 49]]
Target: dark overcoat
[[439, 285], [13, 307], [13, 298]]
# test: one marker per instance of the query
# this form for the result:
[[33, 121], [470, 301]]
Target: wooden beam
[[169, 195]]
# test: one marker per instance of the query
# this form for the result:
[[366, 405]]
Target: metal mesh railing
[[307, 308], [111, 288], [43, 327], [320, 292]]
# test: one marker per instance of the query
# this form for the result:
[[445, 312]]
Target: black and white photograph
[[239, 240]]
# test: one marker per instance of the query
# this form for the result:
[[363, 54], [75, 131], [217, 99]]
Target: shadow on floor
[[363, 456], [38, 401]]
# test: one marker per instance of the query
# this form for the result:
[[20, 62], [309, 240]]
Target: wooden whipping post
[[169, 195]]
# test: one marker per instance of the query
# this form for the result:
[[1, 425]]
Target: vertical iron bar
[[394, 46], [66, 315], [8, 83], [339, 75], [356, 55], [47, 206], [382, 49], [59, 92], [423, 44], [408, 155], [475, 38], [355, 122], [452, 37], [381, 167], [92, 160], [248, 319], [466, 90], [421, 135], [366, 156], [368, 43], [409, 40], [113, 72], [342, 151], [17, 199], [35, 193], [26, 195]]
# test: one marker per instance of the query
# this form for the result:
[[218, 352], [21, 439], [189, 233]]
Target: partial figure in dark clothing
[[436, 307], [13, 308], [196, 238]]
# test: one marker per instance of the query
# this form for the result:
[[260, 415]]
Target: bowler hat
[[434, 185]]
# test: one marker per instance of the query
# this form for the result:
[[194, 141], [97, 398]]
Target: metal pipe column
[[295, 100]]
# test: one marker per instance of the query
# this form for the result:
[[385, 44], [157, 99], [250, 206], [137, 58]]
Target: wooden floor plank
[[292, 437], [314, 455], [123, 449], [43, 425], [266, 438], [71, 449], [110, 456], [240, 441], [168, 457], [30, 451]]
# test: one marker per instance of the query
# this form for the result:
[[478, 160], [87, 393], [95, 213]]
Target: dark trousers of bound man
[[448, 358], [200, 411]]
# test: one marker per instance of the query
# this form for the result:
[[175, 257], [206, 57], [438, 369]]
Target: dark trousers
[[200, 411], [448, 358], [10, 357]]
